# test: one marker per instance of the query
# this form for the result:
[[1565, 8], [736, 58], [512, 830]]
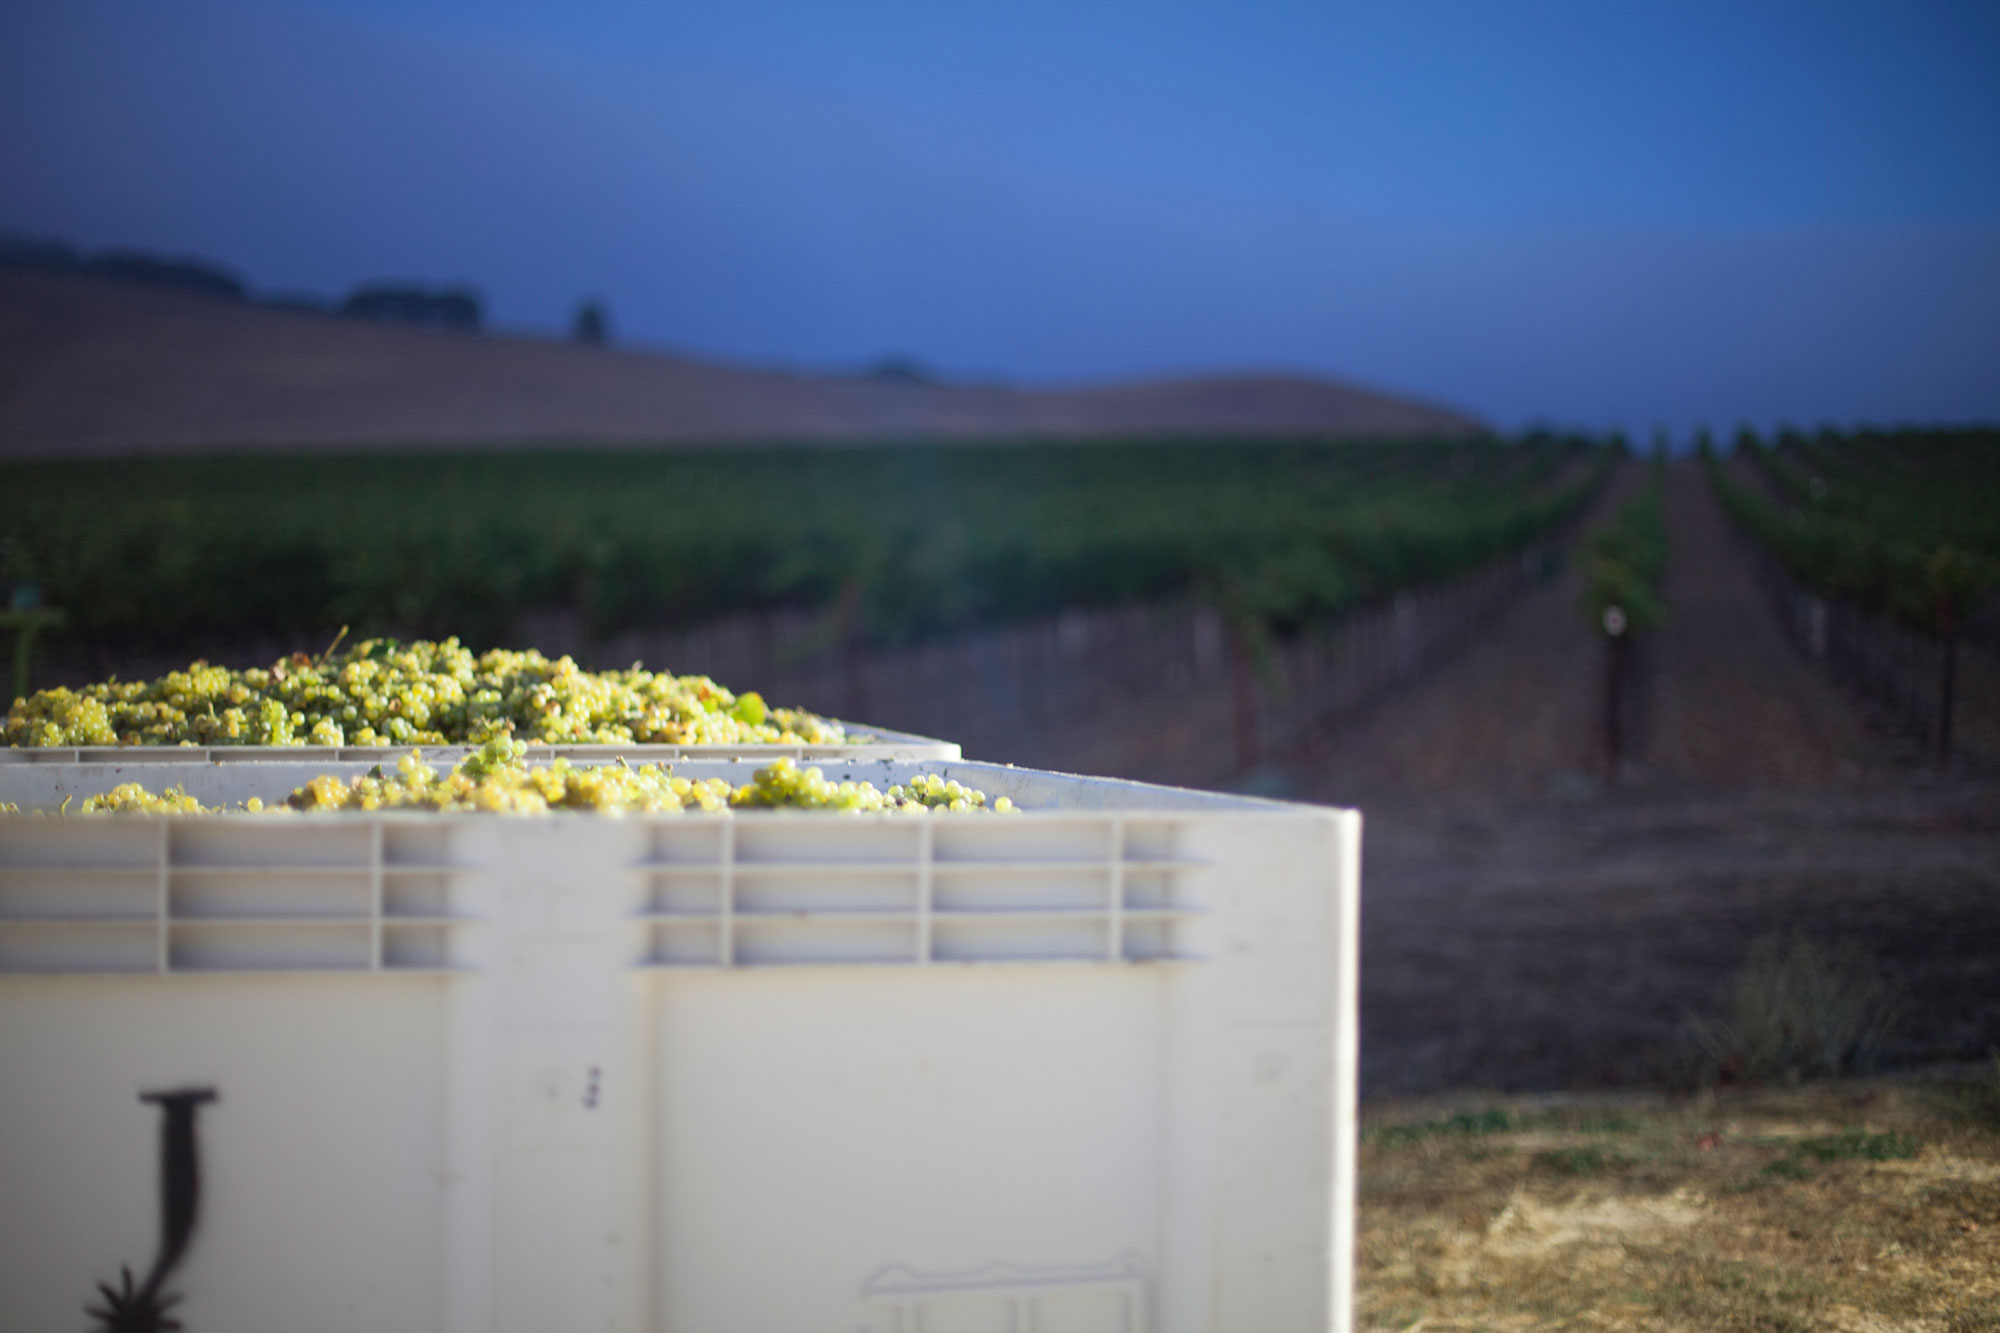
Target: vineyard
[[1905, 524], [885, 544], [1883, 551]]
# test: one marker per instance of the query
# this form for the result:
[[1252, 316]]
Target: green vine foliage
[[897, 541], [1624, 561], [1906, 524]]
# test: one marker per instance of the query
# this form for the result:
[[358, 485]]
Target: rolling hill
[[92, 366]]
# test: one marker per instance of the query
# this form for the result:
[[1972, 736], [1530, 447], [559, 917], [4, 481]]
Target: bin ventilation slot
[[389, 894], [173, 896], [1110, 1299], [919, 892]]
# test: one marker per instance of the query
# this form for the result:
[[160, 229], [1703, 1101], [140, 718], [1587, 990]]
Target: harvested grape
[[381, 692], [784, 784], [497, 779], [130, 798]]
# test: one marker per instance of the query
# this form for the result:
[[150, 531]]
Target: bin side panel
[[320, 1197], [822, 1129], [1282, 887]]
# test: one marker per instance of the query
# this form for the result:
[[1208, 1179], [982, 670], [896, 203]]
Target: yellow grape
[[380, 692], [496, 779]]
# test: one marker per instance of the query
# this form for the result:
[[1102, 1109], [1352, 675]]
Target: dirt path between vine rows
[[1730, 703], [1736, 703], [1530, 924], [1516, 710]]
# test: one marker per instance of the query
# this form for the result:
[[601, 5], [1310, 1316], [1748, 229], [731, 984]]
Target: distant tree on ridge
[[592, 325]]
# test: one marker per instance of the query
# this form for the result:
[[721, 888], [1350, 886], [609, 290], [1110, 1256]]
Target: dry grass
[[1858, 1205]]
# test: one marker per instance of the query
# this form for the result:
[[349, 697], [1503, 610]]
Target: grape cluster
[[496, 779], [784, 784], [381, 692], [130, 798]]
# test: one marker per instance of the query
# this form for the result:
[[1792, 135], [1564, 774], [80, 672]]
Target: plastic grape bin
[[1083, 1069]]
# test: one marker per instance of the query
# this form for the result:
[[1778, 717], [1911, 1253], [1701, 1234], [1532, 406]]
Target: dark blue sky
[[1593, 213]]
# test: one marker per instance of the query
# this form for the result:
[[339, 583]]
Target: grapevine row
[[1888, 546], [1902, 525], [898, 541]]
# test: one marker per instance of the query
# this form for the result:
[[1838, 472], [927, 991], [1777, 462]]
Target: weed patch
[[1795, 1011], [1858, 1146], [1460, 1125], [1578, 1161], [1978, 1103]]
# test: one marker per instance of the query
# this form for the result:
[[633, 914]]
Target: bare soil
[[1565, 943], [1533, 920], [1738, 705]]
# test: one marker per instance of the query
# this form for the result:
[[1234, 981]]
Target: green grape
[[942, 795], [380, 692], [784, 784], [497, 779], [131, 798]]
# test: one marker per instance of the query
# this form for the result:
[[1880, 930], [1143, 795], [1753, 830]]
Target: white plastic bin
[[1081, 1069]]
